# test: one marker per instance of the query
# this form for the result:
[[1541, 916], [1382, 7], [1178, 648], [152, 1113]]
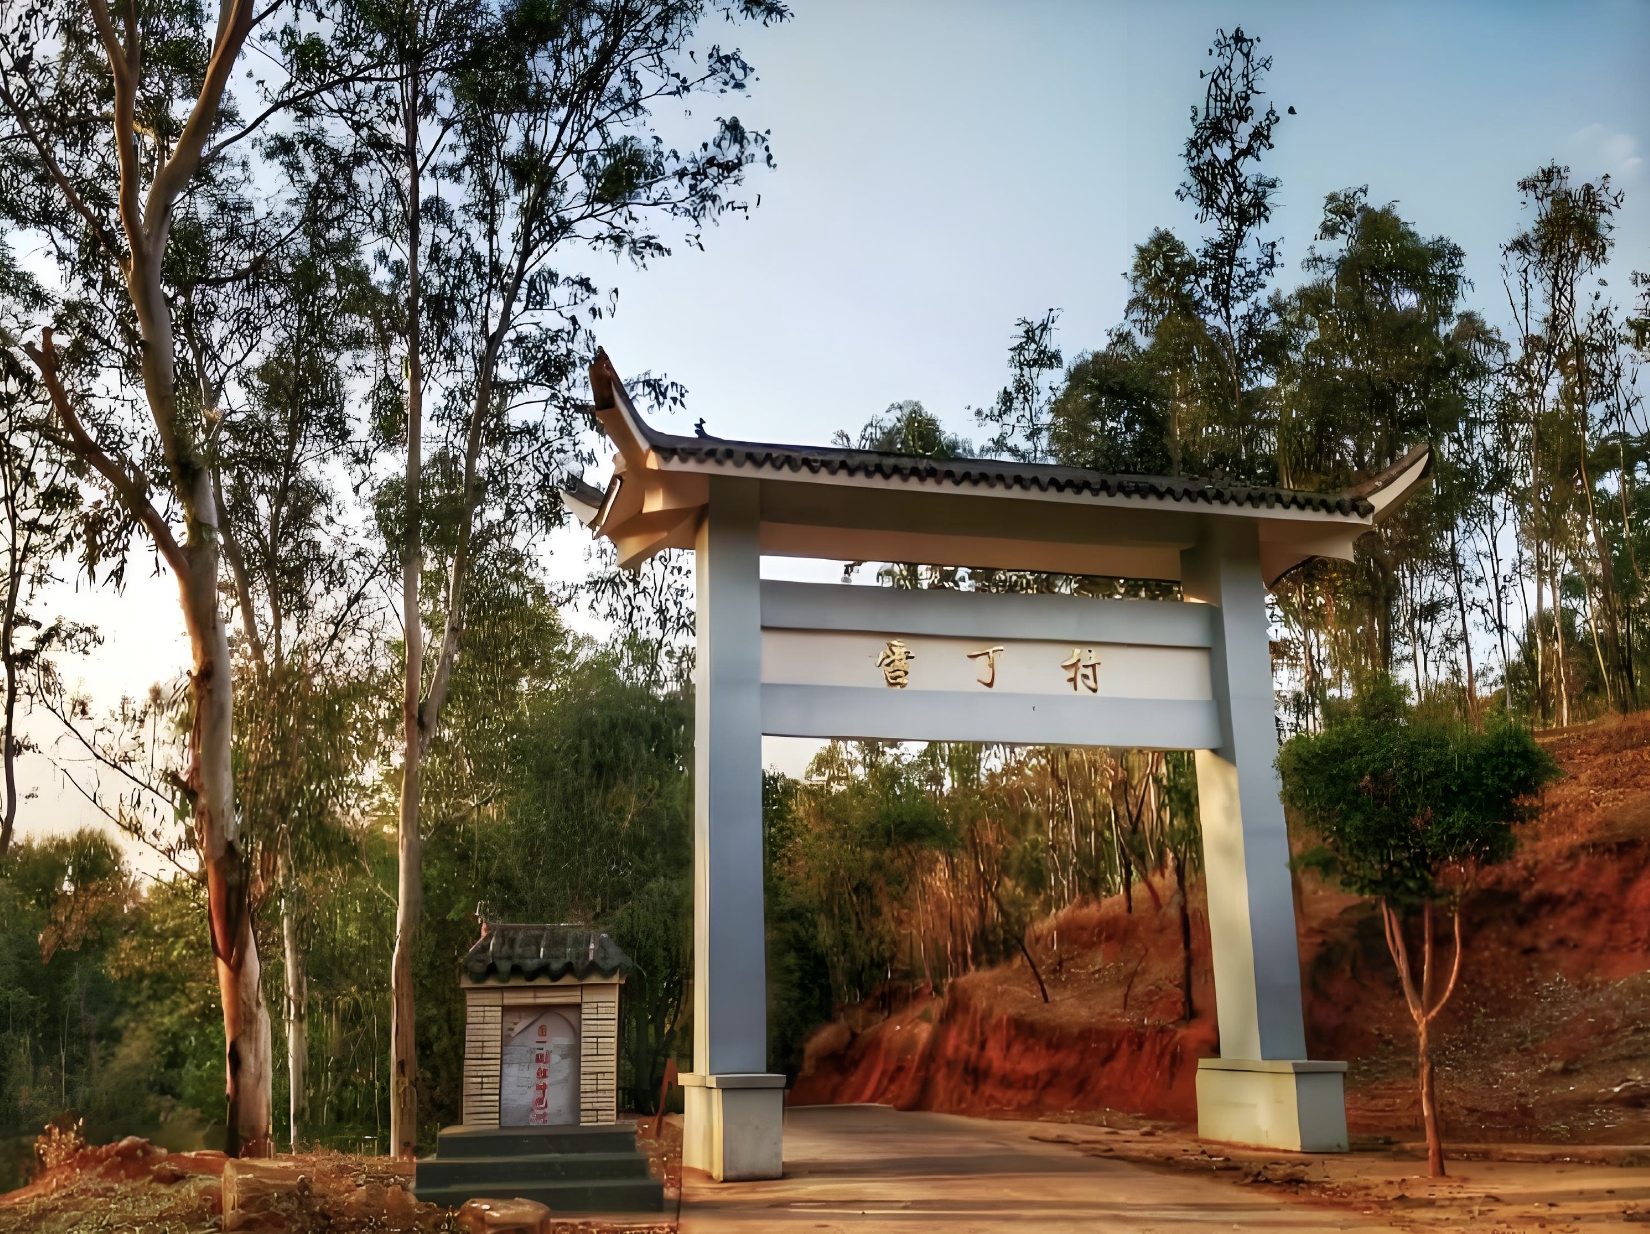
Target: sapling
[[1409, 810]]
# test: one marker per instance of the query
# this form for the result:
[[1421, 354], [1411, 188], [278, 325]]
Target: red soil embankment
[[1547, 1038], [1113, 1035]]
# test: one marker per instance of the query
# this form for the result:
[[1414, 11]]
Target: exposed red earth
[[133, 1184], [1546, 1041]]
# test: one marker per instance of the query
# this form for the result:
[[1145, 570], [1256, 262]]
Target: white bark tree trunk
[[410, 881], [297, 1020]]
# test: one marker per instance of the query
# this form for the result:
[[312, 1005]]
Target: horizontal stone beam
[[970, 614]]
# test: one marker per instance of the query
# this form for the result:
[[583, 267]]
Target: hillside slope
[[1548, 1038]]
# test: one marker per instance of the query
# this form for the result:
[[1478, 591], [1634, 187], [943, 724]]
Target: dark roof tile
[[994, 473], [543, 951]]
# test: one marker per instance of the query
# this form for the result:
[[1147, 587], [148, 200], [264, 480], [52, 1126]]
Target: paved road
[[869, 1169]]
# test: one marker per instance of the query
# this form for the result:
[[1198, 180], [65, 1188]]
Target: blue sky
[[947, 167]]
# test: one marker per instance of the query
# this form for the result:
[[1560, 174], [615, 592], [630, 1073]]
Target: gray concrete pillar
[[734, 1109], [1262, 1089]]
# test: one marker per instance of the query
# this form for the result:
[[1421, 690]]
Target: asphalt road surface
[[870, 1169]]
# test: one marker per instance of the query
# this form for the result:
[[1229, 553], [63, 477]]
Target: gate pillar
[[1262, 1089], [734, 1109]]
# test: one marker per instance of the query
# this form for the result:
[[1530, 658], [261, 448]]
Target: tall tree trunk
[[1185, 935], [1606, 611], [17, 554], [208, 779], [1466, 630], [1125, 871], [1624, 493], [9, 654], [1561, 668], [297, 1016], [1541, 706], [1605, 670], [410, 884], [229, 873], [1492, 576], [1002, 915]]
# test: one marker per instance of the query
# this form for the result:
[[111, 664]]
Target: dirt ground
[[1489, 1187], [134, 1187]]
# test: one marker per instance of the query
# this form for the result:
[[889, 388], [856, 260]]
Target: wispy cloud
[[1606, 149]]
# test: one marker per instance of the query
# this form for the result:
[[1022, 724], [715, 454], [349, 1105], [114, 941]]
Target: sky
[[945, 167]]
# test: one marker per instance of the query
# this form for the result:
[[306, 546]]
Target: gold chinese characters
[[988, 670], [1083, 670], [1081, 667], [895, 663]]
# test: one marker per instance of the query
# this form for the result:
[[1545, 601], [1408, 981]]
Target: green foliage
[[108, 1005], [558, 790], [1113, 413], [164, 967], [598, 834], [1400, 801], [1375, 355], [862, 823], [892, 865], [905, 428], [1020, 413], [799, 973]]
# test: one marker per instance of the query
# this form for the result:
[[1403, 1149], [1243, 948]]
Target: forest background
[[554, 780]]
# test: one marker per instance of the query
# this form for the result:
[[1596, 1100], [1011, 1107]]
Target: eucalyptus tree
[[1180, 388], [39, 503], [1116, 412], [114, 127], [1233, 198], [905, 428], [1376, 355], [1021, 412], [302, 563], [1565, 381], [510, 142], [1174, 361]]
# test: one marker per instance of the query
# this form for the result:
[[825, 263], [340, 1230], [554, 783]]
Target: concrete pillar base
[[733, 1125], [1290, 1104]]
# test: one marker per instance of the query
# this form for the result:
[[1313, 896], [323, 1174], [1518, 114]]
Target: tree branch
[[281, 104], [129, 484], [237, 567], [76, 202], [125, 124], [1454, 972], [1400, 956], [234, 24]]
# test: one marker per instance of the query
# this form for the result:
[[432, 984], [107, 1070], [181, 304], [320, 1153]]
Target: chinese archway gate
[[810, 660]]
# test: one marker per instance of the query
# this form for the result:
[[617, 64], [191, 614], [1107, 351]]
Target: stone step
[[456, 1142], [442, 1171], [611, 1195]]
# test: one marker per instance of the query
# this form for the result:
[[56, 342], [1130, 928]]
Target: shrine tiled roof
[[545, 952]]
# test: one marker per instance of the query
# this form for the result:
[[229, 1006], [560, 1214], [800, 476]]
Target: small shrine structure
[[541, 1033], [831, 661]]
